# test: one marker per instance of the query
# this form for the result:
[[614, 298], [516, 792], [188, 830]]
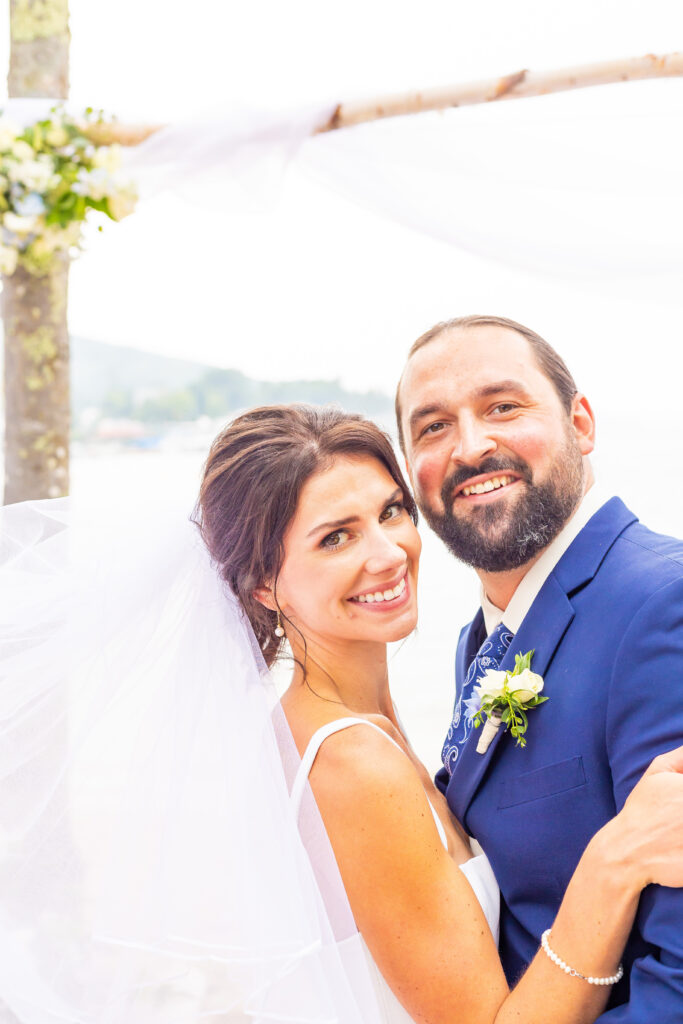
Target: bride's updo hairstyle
[[253, 478]]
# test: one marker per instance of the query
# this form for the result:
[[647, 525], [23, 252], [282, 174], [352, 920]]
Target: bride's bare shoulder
[[361, 762]]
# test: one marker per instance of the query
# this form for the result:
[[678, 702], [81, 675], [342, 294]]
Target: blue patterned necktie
[[489, 655]]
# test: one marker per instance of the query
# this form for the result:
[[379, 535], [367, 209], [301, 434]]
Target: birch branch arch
[[518, 85]]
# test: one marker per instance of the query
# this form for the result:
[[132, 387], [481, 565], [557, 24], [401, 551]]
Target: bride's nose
[[384, 555]]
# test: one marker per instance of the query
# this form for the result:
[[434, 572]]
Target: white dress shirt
[[527, 591]]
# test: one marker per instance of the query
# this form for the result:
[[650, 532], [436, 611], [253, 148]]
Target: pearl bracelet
[[545, 945]]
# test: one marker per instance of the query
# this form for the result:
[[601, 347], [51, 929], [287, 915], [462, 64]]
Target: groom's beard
[[506, 534]]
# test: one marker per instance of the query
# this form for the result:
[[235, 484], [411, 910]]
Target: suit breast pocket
[[543, 782]]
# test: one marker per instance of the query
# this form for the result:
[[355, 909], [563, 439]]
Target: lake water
[[638, 460]]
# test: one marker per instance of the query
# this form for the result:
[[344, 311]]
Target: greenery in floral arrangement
[[51, 176]]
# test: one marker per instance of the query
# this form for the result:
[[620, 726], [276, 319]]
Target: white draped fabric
[[562, 185], [509, 187], [535, 187]]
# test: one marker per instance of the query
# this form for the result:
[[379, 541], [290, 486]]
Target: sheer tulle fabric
[[581, 191], [580, 186], [150, 865]]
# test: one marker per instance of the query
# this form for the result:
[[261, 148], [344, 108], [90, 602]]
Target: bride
[[175, 844]]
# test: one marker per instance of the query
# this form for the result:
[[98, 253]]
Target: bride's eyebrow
[[336, 524]]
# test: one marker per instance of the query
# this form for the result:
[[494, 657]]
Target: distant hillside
[[125, 382], [98, 369]]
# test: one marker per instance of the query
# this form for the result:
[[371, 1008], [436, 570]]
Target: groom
[[497, 440]]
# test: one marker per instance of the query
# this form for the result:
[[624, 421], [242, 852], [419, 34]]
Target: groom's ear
[[409, 472], [583, 423]]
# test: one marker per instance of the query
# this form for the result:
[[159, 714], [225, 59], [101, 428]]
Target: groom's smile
[[498, 477], [485, 487]]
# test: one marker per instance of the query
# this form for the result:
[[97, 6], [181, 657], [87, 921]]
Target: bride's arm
[[422, 922]]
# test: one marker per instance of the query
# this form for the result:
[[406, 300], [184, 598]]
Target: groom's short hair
[[549, 362]]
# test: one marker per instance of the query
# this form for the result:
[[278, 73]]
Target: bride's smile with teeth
[[388, 594]]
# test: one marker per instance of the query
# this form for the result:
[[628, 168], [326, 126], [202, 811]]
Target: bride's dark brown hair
[[253, 477]]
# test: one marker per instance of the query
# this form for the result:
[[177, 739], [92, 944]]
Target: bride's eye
[[392, 511], [334, 540]]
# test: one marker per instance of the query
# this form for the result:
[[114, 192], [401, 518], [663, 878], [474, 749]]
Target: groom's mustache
[[493, 464]]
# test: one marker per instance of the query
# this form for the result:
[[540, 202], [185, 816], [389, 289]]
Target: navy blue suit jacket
[[607, 629]]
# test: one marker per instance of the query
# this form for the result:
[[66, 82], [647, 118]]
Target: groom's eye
[[433, 428], [504, 407]]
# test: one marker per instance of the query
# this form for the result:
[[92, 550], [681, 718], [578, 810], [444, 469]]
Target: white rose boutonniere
[[505, 698], [526, 686]]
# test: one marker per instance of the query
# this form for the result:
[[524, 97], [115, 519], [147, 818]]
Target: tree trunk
[[37, 418], [37, 400], [39, 50]]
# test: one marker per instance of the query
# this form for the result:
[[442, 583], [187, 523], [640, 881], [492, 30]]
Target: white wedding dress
[[477, 870]]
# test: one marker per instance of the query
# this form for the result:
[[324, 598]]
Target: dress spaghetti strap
[[311, 752]]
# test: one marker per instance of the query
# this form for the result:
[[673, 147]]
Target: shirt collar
[[525, 594]]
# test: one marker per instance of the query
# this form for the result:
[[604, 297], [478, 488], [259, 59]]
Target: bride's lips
[[386, 598], [486, 488]]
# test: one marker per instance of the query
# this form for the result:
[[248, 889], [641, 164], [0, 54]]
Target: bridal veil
[[151, 867]]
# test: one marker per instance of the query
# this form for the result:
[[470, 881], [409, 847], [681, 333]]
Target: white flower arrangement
[[51, 176]]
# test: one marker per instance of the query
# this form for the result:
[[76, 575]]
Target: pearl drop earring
[[279, 631]]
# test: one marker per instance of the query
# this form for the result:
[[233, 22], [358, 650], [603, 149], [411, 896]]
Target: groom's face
[[495, 460]]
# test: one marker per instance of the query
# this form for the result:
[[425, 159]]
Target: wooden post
[[37, 397], [39, 52], [37, 414]]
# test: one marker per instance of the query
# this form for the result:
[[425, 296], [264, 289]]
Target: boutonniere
[[505, 698]]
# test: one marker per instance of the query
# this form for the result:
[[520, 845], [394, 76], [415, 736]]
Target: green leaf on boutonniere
[[522, 661]]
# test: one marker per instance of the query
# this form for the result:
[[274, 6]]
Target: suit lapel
[[583, 558], [541, 631], [543, 628]]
